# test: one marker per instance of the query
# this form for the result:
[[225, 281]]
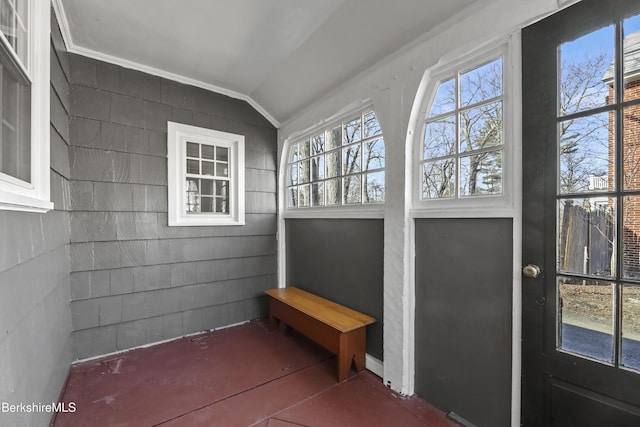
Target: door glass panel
[[631, 326], [586, 163], [631, 52], [631, 237], [586, 317], [586, 71], [586, 236], [631, 150]]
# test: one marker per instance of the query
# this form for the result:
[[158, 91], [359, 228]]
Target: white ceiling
[[278, 54]]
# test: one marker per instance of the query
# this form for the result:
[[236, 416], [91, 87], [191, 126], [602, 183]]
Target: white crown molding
[[73, 48]]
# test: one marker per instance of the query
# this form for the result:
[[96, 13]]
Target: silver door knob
[[531, 270]]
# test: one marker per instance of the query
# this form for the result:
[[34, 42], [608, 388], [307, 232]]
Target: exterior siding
[[35, 344], [135, 280]]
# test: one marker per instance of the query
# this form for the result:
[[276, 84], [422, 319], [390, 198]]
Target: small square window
[[206, 176]]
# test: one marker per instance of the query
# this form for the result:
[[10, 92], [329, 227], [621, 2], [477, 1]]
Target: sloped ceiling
[[279, 55]]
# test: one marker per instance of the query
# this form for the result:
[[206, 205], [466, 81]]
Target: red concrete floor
[[240, 376]]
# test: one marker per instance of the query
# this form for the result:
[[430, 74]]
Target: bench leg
[[274, 322], [352, 350]]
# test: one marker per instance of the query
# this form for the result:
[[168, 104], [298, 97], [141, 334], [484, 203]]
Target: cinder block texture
[[145, 280]]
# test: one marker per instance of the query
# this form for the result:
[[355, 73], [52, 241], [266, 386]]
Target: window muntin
[[338, 166], [463, 137], [206, 176]]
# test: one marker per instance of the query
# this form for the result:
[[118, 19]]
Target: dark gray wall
[[463, 317], [135, 280], [35, 345], [341, 260]]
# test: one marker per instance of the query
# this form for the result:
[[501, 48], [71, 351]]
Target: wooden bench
[[339, 329]]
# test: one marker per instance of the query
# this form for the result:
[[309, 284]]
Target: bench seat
[[339, 329]]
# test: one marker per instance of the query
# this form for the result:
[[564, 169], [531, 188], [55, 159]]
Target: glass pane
[[439, 179], [631, 148], [7, 21], [481, 174], [208, 152], [317, 194], [584, 154], [193, 166], [374, 187], [440, 138], [206, 204], [208, 168], [586, 71], [193, 196], [317, 144], [481, 127], [631, 237], [294, 153], [352, 189], [303, 149], [193, 150], [334, 192], [304, 170], [351, 160], [631, 326], [586, 236], [333, 164], [352, 131], [22, 16], [206, 187], [374, 154], [304, 194], [293, 197], [293, 174], [222, 154], [15, 146], [631, 63], [317, 168], [371, 125], [222, 205], [445, 100], [585, 317], [481, 84], [334, 137], [222, 169], [222, 188]]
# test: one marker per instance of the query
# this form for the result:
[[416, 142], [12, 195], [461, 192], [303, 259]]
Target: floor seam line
[[243, 391]]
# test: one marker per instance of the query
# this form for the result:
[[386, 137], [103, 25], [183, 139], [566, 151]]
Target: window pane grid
[[598, 203], [342, 165], [208, 180], [463, 137]]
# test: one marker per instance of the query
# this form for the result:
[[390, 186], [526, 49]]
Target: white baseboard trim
[[151, 344], [374, 365]]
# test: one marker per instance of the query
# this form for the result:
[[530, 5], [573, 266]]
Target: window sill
[[373, 211], [16, 202]]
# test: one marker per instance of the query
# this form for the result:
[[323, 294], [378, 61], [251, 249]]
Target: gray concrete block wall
[[35, 315], [135, 280]]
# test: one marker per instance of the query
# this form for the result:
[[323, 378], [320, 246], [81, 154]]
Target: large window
[[462, 148], [24, 110], [206, 176], [340, 165]]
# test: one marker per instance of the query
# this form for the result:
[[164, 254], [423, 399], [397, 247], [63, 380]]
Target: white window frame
[[34, 196], [371, 210], [178, 136], [478, 205]]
